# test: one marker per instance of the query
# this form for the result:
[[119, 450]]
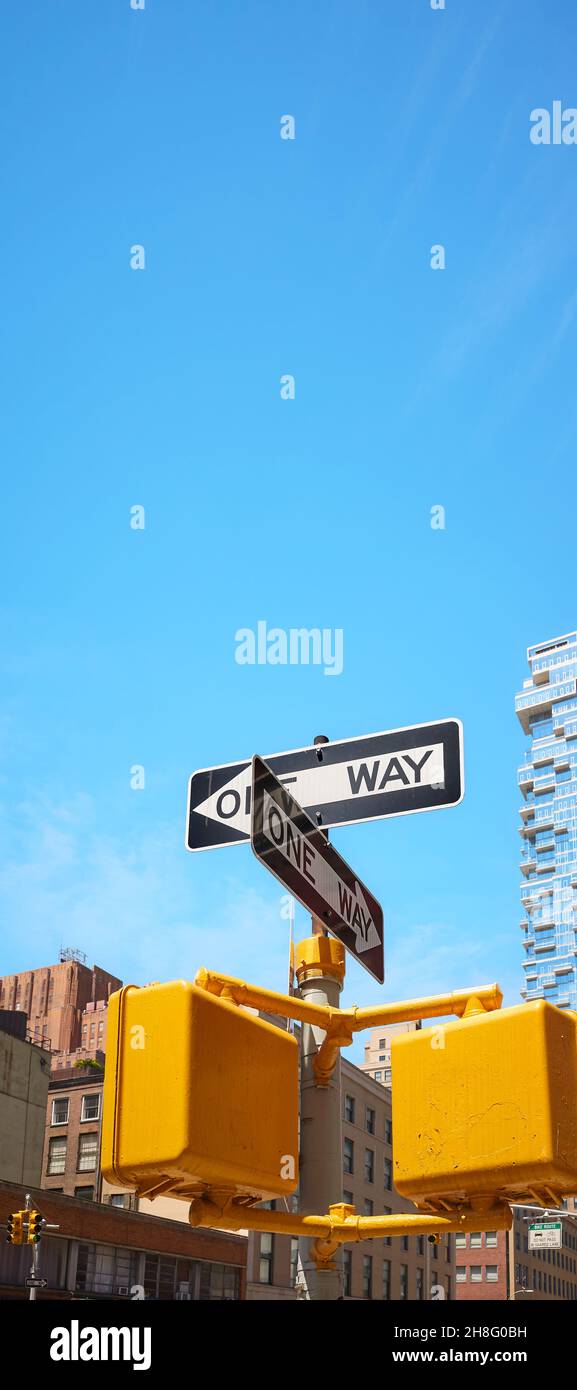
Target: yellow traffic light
[[487, 1105], [35, 1222], [199, 1096], [14, 1228]]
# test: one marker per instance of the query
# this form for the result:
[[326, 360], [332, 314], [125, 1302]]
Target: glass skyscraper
[[547, 709]]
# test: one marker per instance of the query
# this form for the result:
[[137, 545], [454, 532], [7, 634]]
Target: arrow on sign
[[389, 774]]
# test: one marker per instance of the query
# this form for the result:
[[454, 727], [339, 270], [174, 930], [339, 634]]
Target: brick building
[[61, 1002], [71, 1161], [499, 1264], [101, 1252]]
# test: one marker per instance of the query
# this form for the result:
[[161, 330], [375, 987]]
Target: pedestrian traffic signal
[[199, 1096], [35, 1223], [487, 1105], [14, 1228]]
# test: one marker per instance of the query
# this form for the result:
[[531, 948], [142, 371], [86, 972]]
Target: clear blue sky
[[161, 388]]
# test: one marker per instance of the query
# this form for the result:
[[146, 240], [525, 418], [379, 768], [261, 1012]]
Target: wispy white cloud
[[132, 905]]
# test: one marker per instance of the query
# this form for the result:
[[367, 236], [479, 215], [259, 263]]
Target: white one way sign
[[288, 843], [393, 773]]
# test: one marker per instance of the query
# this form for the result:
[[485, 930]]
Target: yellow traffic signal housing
[[35, 1224], [487, 1105], [199, 1096], [15, 1228]]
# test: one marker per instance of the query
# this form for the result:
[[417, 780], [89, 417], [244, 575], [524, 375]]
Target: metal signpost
[[395, 773], [286, 841]]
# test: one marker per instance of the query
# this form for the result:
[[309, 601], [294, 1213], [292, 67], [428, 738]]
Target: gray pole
[[319, 963]]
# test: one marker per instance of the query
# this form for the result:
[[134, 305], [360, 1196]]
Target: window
[[266, 1258], [475, 1239], [294, 1260], [387, 1074], [86, 1194], [350, 1109], [388, 1131], [420, 1245], [91, 1107], [370, 1120], [378, 1075], [388, 1175], [476, 1274], [348, 1198], [448, 1250], [369, 1165], [404, 1282], [367, 1276], [491, 1273], [405, 1243], [56, 1156], [347, 1272], [87, 1153], [369, 1207], [461, 1274], [460, 1240], [118, 1199], [386, 1279], [420, 1278], [348, 1156], [60, 1110], [383, 1042], [386, 1212], [490, 1237]]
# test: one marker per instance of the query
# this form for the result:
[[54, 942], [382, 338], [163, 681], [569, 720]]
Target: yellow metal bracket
[[339, 1025]]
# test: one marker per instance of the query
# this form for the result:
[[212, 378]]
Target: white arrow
[[317, 786], [348, 904]]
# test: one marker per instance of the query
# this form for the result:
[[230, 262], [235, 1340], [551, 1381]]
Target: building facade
[[499, 1264], [61, 1002], [73, 1121], [547, 710], [377, 1061], [100, 1252], [24, 1077]]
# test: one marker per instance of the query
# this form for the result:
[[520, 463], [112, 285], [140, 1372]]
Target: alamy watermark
[[295, 646]]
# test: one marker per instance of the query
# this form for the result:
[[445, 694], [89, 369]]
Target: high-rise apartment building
[[547, 709]]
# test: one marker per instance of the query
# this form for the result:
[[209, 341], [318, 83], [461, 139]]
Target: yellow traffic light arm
[[342, 1226], [340, 1024]]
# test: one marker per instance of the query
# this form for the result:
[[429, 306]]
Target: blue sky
[[161, 387]]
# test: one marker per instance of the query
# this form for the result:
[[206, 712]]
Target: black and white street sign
[[288, 843], [34, 1282], [356, 779]]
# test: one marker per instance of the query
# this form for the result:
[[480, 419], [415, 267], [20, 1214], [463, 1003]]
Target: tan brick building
[[377, 1061]]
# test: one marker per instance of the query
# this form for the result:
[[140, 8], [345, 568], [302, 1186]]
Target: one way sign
[[388, 774], [288, 843]]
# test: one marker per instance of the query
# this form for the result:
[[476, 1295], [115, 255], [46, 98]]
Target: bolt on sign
[[395, 773], [286, 841]]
